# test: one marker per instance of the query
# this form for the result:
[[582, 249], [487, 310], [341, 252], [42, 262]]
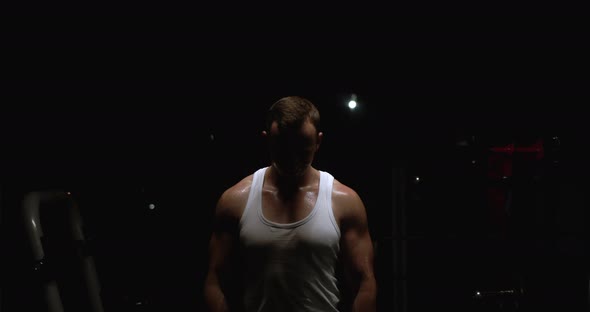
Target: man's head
[[292, 128]]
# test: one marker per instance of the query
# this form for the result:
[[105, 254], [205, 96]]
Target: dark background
[[161, 106]]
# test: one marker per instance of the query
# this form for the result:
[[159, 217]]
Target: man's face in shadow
[[292, 150]]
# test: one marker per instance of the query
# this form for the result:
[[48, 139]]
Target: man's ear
[[320, 137]]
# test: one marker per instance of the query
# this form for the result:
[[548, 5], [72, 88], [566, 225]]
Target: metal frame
[[31, 208]]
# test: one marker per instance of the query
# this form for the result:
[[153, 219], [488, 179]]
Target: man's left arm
[[358, 253]]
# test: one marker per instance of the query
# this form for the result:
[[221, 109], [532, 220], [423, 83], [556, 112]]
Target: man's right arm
[[220, 248]]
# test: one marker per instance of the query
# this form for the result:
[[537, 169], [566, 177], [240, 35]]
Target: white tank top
[[290, 266]]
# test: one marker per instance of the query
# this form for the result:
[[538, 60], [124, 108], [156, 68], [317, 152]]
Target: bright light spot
[[152, 206], [69, 193], [352, 103], [34, 224], [417, 179], [478, 293]]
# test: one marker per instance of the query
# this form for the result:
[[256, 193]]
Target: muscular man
[[291, 225]]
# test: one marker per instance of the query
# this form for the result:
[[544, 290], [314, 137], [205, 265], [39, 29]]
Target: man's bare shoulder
[[346, 200], [233, 200]]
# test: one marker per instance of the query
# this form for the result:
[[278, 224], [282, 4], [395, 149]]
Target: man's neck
[[291, 184]]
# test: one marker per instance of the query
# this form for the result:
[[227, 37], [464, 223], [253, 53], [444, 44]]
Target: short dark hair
[[291, 112]]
